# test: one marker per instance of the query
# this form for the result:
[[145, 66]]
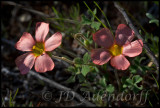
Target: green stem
[[117, 78], [76, 36], [63, 58], [104, 16], [94, 14], [69, 61], [67, 52]]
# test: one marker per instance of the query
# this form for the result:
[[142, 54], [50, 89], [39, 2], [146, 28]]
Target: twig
[[39, 13], [61, 87], [129, 22], [26, 8]]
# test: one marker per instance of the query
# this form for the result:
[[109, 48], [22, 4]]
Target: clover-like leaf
[[95, 25], [78, 60], [136, 79], [85, 20], [85, 70], [110, 88], [81, 78], [86, 58], [71, 79], [102, 82]]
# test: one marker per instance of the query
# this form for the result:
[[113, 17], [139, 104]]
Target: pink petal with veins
[[42, 30], [43, 63], [100, 56], [103, 38], [53, 42], [133, 49], [25, 62], [124, 35], [120, 62], [25, 43]]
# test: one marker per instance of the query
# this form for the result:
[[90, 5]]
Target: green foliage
[[81, 69], [71, 79], [152, 19], [136, 66], [11, 100], [102, 82], [67, 22], [86, 58], [110, 88], [89, 38], [78, 61], [131, 83], [94, 24], [85, 70]]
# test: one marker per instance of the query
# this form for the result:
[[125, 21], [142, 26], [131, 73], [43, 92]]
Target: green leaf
[[129, 81], [142, 58], [71, 79], [78, 60], [136, 79], [81, 78], [124, 86], [86, 84], [95, 25], [154, 21], [133, 69], [136, 88], [110, 88], [85, 20], [55, 12], [102, 82], [86, 58], [94, 12], [71, 69], [150, 16], [85, 70]]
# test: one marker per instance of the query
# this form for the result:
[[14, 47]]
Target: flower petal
[[100, 56], [103, 38], [133, 49], [44, 63], [120, 62], [42, 30], [124, 35], [53, 42], [25, 62], [25, 43]]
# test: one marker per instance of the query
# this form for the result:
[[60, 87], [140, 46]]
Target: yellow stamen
[[115, 50], [38, 49]]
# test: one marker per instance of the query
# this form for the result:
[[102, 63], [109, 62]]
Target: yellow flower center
[[38, 49], [115, 50]]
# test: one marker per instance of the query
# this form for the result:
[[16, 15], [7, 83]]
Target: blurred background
[[65, 17]]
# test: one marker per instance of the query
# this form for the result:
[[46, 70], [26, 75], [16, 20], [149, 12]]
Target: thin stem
[[117, 78], [67, 52], [76, 36], [63, 58], [69, 61], [94, 15], [104, 16], [66, 20]]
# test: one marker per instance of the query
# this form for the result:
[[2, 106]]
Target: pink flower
[[116, 49], [38, 51]]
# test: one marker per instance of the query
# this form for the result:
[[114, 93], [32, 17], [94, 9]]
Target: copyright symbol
[[47, 95]]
